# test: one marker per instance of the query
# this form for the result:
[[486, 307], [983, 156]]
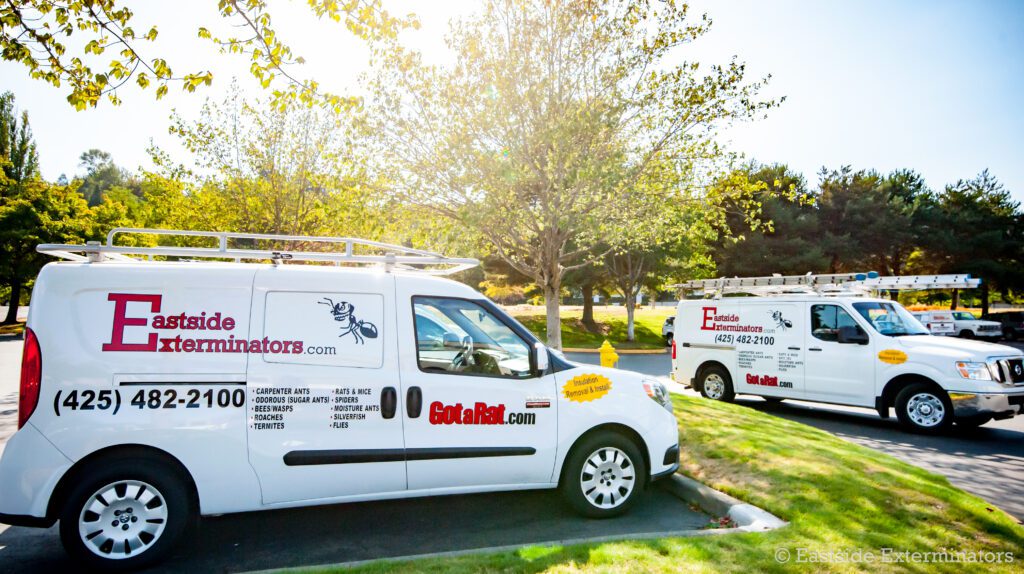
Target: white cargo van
[[154, 392], [837, 347]]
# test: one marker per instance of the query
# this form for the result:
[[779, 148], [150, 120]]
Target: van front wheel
[[715, 384], [924, 408], [125, 514], [604, 475]]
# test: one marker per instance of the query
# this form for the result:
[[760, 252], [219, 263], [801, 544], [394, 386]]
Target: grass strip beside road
[[611, 323], [837, 496]]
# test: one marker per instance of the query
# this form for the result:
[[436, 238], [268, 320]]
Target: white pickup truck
[[961, 324]]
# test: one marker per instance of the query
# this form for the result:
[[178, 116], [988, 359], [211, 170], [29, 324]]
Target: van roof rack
[[389, 256], [850, 284]]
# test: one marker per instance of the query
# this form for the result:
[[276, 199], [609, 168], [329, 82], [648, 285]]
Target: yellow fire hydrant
[[608, 355]]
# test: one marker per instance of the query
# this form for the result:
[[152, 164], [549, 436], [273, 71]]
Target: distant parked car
[[968, 326], [937, 322], [668, 329], [1012, 323]]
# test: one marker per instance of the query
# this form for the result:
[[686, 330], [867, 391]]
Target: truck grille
[[1012, 370]]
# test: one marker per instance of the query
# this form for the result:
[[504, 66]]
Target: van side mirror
[[540, 357], [853, 335]]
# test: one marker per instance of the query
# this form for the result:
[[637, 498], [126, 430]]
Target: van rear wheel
[[716, 384], [125, 514], [924, 408]]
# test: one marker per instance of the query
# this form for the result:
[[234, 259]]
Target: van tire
[[122, 477], [719, 381], [606, 449], [924, 408]]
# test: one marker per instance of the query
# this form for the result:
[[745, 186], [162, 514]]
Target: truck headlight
[[658, 392], [974, 371]]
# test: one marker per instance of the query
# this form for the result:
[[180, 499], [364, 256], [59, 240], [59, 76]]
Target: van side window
[[457, 336], [826, 321]]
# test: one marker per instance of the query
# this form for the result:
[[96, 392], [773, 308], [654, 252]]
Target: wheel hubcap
[[122, 519], [925, 409], [608, 477], [714, 386]]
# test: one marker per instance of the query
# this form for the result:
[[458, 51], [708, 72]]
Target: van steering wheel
[[465, 355]]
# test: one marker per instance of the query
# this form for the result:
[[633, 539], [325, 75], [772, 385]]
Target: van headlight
[[658, 392], [974, 371]]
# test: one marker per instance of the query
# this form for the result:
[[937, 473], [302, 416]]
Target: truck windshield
[[890, 319]]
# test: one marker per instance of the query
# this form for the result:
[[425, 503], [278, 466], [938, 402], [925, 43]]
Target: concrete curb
[[748, 517], [619, 351]]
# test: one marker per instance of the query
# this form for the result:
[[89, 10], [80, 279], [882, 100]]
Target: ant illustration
[[344, 312], [781, 321]]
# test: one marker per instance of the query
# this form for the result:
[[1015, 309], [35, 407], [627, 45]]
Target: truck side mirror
[[540, 357], [853, 335]]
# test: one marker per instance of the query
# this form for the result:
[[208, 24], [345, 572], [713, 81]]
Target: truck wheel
[[966, 334], [125, 514], [604, 475], [972, 421], [716, 384], [924, 408]]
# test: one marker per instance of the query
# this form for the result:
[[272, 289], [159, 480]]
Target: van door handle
[[814, 348], [388, 402], [794, 348], [414, 402]]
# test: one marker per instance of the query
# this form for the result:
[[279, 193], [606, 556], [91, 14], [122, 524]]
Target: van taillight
[[31, 371], [673, 348]]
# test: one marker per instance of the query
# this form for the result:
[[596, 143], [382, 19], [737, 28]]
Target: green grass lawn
[[611, 326], [12, 329], [838, 496]]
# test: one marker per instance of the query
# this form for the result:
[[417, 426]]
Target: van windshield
[[890, 319]]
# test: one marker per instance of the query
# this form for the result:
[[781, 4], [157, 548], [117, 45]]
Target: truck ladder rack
[[833, 284], [389, 256]]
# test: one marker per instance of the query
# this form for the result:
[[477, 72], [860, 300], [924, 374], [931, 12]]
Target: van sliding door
[[323, 385]]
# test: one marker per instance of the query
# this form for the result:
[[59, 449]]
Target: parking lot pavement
[[368, 530], [659, 365], [10, 371]]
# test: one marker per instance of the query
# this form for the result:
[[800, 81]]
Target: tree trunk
[[630, 312], [588, 308], [956, 300], [12, 309], [984, 298], [554, 321]]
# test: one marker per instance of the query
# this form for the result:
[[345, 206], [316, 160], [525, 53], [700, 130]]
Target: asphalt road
[[348, 532], [988, 461]]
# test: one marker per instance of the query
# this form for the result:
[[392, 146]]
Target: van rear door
[[769, 345], [324, 387]]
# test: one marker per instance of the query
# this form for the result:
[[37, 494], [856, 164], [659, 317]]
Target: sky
[[936, 86]]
